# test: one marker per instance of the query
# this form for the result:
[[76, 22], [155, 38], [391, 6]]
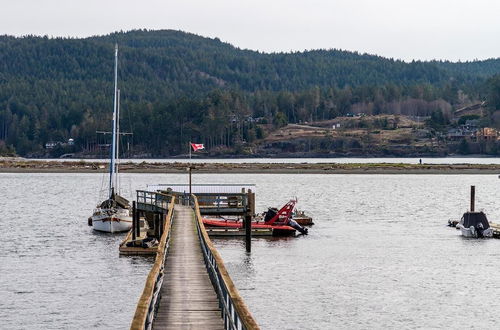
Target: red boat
[[279, 222]]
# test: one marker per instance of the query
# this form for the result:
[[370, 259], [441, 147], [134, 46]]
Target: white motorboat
[[475, 225], [113, 214]]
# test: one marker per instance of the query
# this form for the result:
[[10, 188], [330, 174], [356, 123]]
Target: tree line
[[178, 87]]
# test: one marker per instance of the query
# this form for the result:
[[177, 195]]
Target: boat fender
[[90, 221]]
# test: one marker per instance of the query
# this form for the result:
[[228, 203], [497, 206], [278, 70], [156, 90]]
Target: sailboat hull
[[115, 223]]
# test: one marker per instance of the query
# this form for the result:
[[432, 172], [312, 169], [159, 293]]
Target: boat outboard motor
[[271, 212], [480, 230], [292, 223]]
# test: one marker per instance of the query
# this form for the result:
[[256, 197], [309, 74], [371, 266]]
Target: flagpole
[[189, 171]]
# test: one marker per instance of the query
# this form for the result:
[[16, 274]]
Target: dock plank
[[188, 299]]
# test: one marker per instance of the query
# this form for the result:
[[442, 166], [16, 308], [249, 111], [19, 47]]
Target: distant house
[[487, 134], [51, 144], [472, 123], [463, 131]]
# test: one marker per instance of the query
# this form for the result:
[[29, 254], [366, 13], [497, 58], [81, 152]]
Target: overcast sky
[[404, 29]]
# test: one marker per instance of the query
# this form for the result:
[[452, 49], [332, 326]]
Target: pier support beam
[[134, 220], [137, 227], [248, 232], [472, 197], [248, 220], [157, 226]]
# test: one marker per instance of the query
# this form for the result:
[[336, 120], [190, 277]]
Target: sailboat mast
[[117, 161], [112, 165]]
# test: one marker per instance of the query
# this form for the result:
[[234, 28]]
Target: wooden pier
[[188, 286], [188, 299]]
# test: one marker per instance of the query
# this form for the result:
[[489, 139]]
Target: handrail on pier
[[235, 313], [223, 203], [144, 313], [153, 201]]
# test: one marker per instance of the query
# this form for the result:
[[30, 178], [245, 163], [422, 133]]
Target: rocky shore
[[20, 165]]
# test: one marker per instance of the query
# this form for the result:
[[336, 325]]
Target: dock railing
[[152, 201], [148, 302], [223, 203], [235, 313]]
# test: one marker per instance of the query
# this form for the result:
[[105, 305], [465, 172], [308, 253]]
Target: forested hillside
[[178, 87]]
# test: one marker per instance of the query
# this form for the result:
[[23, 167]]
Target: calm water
[[414, 160], [379, 256]]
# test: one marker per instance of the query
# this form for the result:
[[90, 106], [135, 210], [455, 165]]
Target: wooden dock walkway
[[188, 299], [188, 286]]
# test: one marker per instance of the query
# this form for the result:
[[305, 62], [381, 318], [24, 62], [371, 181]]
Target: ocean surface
[[379, 256]]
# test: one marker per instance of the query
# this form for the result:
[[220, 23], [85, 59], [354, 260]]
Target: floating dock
[[155, 209], [237, 232], [496, 229]]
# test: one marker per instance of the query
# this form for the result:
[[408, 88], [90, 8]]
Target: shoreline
[[28, 166]]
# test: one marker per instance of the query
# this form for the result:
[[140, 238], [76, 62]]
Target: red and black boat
[[279, 221]]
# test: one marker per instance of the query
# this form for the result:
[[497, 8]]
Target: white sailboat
[[113, 214]]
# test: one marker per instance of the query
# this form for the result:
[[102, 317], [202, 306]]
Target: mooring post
[[161, 219], [248, 232], [134, 220], [472, 197], [157, 226], [251, 203], [137, 227], [190, 190], [248, 222]]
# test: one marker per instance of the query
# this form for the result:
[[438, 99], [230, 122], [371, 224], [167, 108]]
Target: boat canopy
[[474, 219], [116, 200]]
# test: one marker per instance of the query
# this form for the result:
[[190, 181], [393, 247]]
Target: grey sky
[[405, 29]]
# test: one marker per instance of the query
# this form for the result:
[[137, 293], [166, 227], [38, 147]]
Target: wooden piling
[[190, 191], [158, 222], [251, 202], [248, 232], [248, 221], [472, 197], [134, 220], [137, 227], [161, 218]]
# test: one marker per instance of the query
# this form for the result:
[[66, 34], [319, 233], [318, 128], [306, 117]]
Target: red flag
[[197, 146]]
